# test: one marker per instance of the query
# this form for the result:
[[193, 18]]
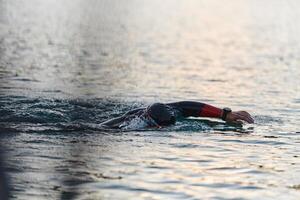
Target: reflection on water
[[66, 66]]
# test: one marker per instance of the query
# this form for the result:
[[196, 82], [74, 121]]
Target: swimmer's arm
[[198, 109], [114, 123], [134, 111]]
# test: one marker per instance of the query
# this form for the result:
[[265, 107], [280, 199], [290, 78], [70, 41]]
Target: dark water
[[66, 66]]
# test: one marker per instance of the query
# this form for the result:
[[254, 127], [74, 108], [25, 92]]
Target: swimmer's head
[[161, 114]]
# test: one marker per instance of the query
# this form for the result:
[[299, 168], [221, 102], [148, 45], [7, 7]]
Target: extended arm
[[198, 109], [116, 122]]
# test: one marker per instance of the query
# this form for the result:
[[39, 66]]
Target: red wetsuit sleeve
[[210, 111], [196, 109]]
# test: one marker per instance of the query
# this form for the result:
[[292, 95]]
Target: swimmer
[[159, 115]]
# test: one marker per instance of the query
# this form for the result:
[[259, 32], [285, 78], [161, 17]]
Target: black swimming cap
[[161, 114]]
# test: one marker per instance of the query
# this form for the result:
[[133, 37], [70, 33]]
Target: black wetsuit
[[176, 109]]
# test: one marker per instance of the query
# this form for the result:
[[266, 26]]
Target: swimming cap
[[161, 114]]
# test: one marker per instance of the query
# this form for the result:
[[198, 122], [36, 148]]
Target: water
[[66, 66]]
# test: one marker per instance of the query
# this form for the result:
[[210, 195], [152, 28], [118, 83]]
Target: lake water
[[66, 66]]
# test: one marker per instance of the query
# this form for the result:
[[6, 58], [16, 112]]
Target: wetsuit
[[158, 114], [196, 109]]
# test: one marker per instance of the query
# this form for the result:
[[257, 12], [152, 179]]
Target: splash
[[135, 124], [44, 115]]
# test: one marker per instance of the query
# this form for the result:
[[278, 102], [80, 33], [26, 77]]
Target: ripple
[[257, 142], [147, 190], [264, 119], [25, 80], [185, 145], [296, 187]]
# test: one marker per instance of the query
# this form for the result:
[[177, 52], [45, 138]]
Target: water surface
[[66, 66]]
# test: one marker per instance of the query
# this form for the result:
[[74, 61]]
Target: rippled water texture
[[68, 65]]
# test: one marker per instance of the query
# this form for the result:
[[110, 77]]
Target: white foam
[[135, 123]]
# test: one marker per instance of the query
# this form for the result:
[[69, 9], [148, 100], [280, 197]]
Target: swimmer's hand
[[238, 117]]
